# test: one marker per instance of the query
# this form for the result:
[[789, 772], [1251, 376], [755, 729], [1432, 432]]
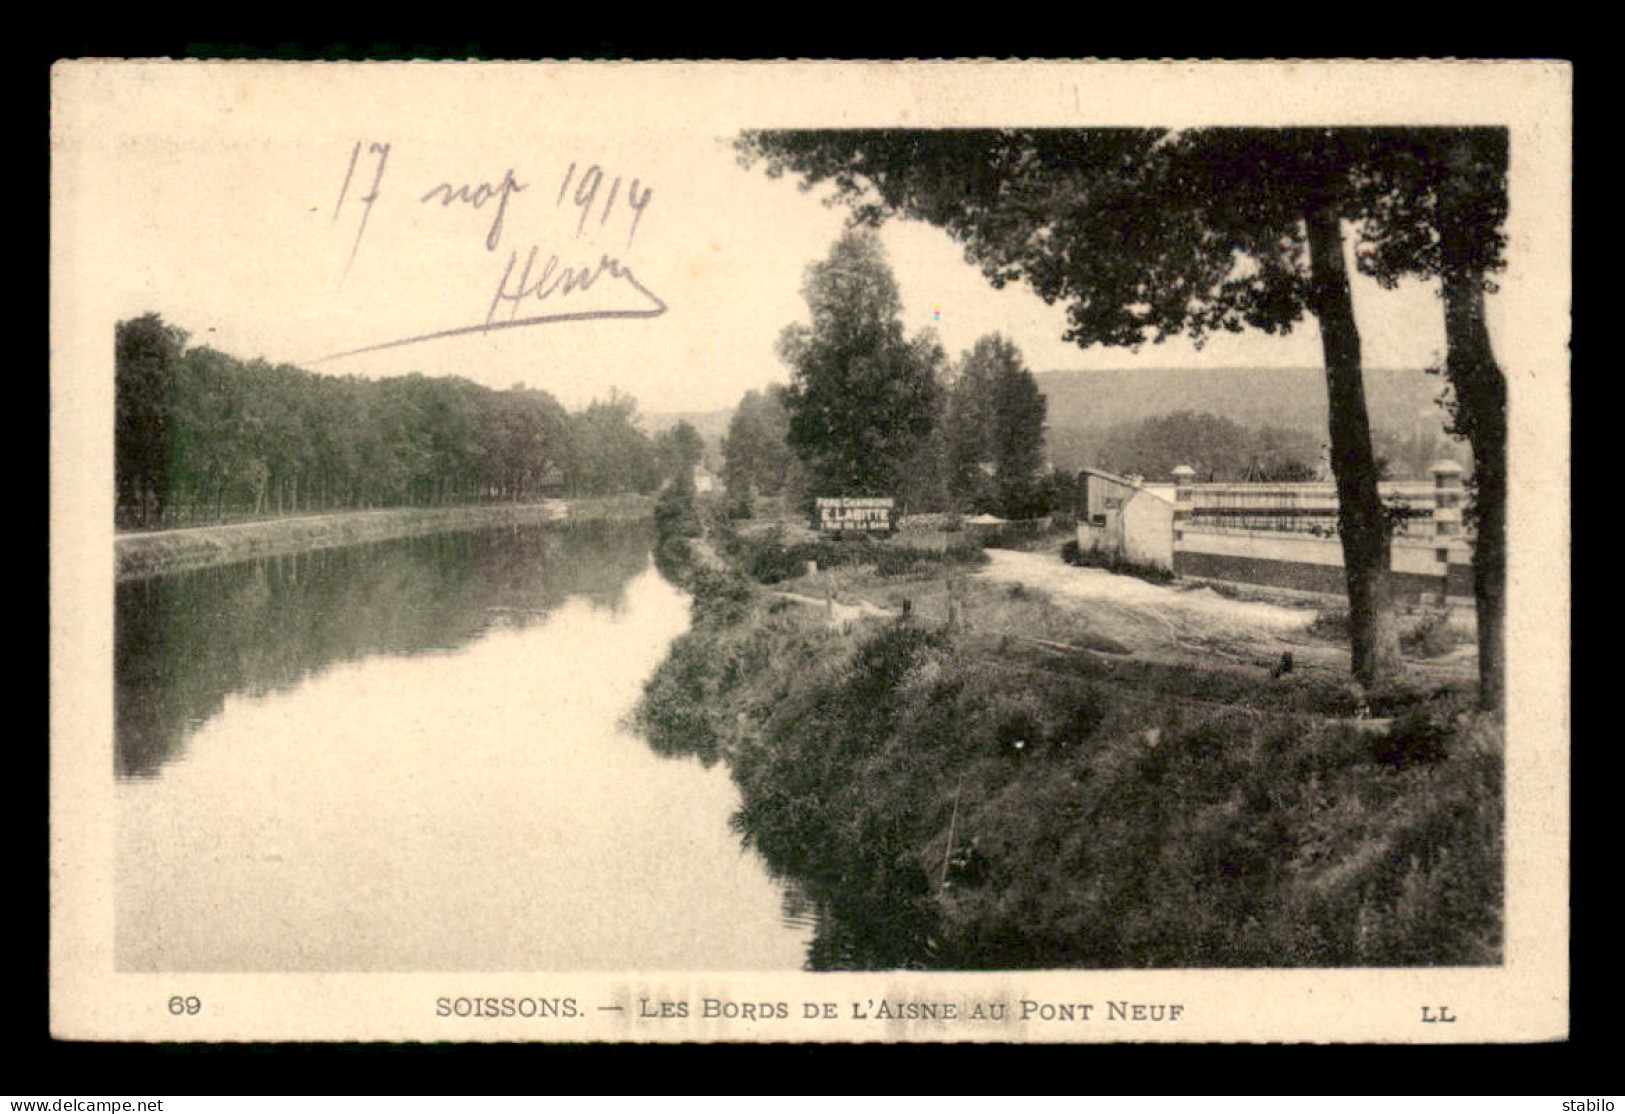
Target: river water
[[410, 756]]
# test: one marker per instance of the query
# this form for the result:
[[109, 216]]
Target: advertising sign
[[863, 515]]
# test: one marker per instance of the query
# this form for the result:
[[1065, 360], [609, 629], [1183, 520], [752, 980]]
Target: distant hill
[[1294, 397], [1084, 404]]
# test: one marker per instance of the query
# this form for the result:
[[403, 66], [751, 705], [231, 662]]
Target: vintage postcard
[[796, 552]]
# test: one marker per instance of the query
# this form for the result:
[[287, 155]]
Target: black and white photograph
[[785, 552]]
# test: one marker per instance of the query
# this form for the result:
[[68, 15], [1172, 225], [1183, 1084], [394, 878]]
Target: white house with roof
[[1126, 518]]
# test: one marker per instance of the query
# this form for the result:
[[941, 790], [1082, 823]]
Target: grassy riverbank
[[963, 773], [147, 554]]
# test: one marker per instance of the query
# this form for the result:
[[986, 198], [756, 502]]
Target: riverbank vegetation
[[958, 780]]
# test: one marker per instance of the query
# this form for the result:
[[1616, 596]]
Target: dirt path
[[1183, 621], [1165, 621], [252, 524], [838, 612]]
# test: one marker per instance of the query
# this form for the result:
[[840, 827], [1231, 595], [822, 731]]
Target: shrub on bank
[[1430, 635], [1011, 535], [676, 514], [1427, 635], [1074, 555], [769, 558]]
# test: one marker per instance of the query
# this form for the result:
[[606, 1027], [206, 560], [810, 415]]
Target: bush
[[903, 560], [676, 514], [1430, 636], [769, 559], [1073, 554], [1091, 826], [719, 597], [1422, 733], [1331, 623], [1011, 535]]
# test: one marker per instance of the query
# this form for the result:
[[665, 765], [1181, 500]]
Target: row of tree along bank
[[951, 796], [201, 436], [150, 554]]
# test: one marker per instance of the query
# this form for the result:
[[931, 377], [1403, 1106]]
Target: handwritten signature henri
[[554, 279]]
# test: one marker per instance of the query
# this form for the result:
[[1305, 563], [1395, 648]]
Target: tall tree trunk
[[1481, 414], [1470, 193], [1362, 525]]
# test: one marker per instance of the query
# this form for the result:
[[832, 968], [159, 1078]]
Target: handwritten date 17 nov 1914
[[554, 278]]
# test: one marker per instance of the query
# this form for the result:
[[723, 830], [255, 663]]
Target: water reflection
[[186, 641], [854, 935], [408, 757]]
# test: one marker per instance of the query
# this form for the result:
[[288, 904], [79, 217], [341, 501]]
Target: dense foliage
[[201, 435], [869, 412], [994, 432], [1217, 448], [863, 397], [756, 452]]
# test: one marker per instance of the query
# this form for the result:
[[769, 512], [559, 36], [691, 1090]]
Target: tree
[[680, 450], [862, 399], [995, 431], [608, 452], [522, 438], [1019, 409], [756, 451], [1147, 234], [1280, 454], [1216, 447], [967, 430], [1438, 208], [145, 352], [201, 433]]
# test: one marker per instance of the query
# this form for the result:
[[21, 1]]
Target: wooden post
[[947, 854]]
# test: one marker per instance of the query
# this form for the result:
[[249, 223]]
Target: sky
[[294, 216]]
